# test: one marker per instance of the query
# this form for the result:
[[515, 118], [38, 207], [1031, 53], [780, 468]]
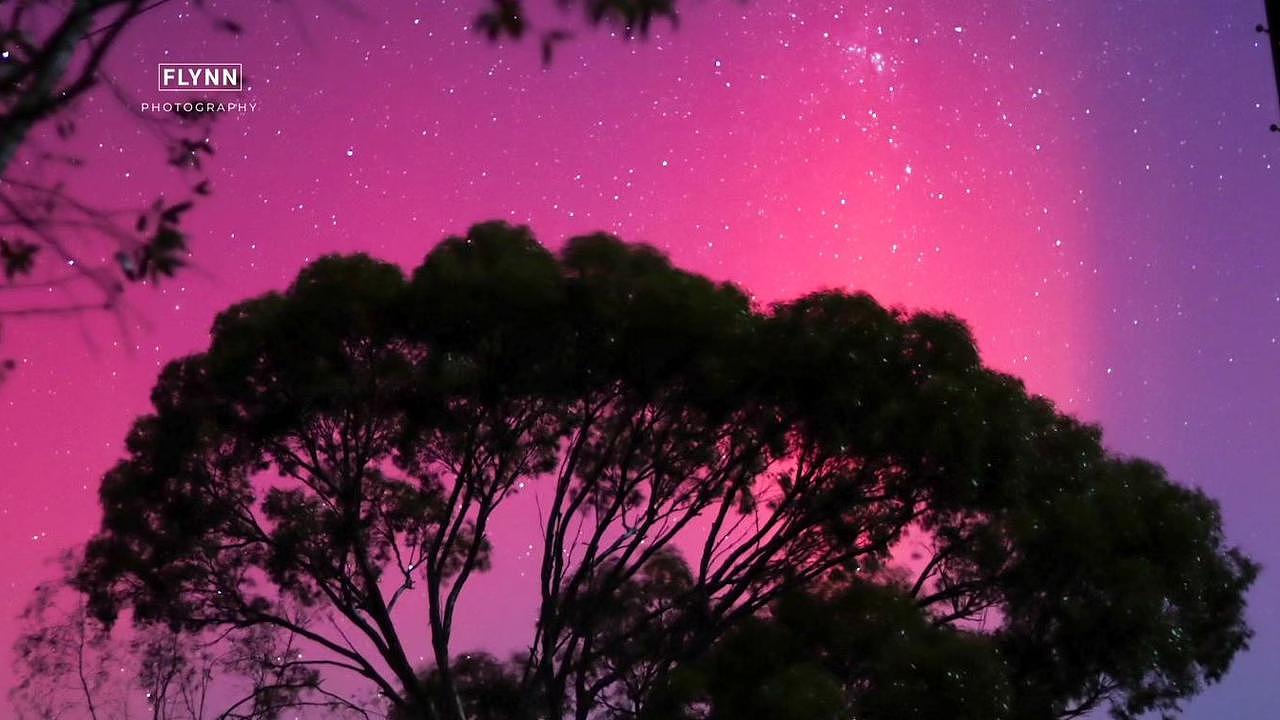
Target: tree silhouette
[[52, 237], [69, 664], [699, 468], [864, 650]]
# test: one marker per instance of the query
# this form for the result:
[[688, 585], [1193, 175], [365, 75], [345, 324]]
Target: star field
[[1091, 185]]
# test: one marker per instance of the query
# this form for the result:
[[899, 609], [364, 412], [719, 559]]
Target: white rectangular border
[[160, 77]]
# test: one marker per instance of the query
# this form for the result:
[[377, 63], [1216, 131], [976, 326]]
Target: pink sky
[[1097, 205]]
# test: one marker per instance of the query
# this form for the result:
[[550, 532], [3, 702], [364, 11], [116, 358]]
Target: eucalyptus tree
[[694, 468]]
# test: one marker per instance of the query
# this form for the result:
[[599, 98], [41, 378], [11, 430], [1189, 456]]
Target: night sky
[[1091, 185]]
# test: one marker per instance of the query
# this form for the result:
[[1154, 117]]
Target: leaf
[[164, 255], [174, 213], [549, 42], [506, 18], [18, 257]]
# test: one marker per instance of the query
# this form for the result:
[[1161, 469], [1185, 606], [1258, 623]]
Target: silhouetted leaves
[[162, 253], [229, 26], [864, 651], [54, 56], [631, 18], [18, 257], [720, 489], [551, 40], [505, 18], [488, 689], [635, 17]]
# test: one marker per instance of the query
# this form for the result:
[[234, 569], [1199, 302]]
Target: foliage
[[53, 236], [628, 18], [71, 665], [706, 475], [864, 651], [62, 250]]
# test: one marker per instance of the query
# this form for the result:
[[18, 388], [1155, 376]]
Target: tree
[[63, 658], [332, 465], [71, 665], [63, 251], [52, 237]]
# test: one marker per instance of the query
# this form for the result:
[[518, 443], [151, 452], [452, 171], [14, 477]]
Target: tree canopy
[[722, 490], [66, 252]]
